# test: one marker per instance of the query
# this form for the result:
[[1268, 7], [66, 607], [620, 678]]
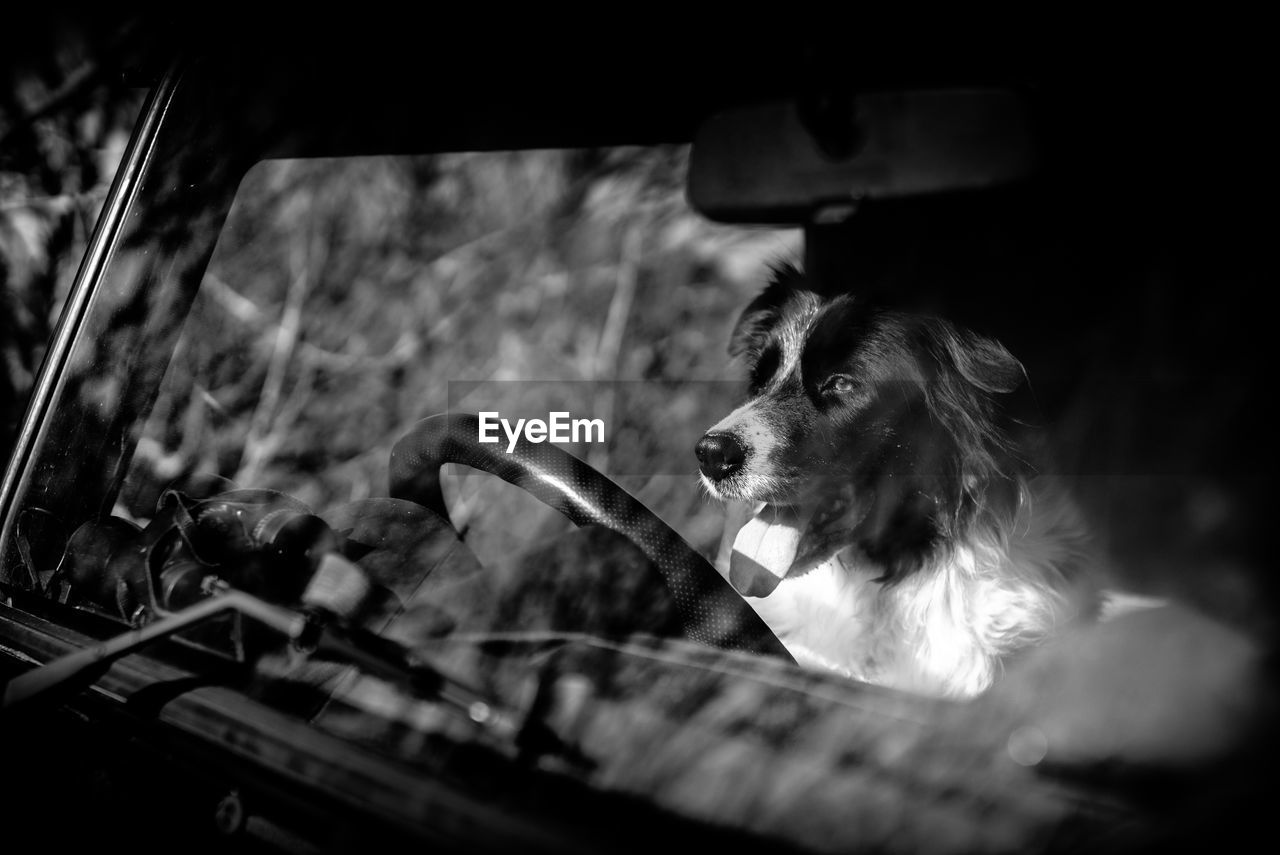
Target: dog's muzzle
[[719, 455]]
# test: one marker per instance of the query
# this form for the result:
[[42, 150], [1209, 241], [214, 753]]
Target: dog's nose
[[719, 455]]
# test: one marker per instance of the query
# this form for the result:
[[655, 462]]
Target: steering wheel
[[710, 611]]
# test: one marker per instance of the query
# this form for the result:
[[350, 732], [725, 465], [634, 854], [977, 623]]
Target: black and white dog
[[882, 519]]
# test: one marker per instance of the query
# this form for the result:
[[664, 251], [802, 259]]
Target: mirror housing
[[778, 163]]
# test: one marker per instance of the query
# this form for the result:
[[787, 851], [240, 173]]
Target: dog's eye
[[840, 384]]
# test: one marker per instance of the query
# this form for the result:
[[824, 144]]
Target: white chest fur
[[943, 630], [946, 627]]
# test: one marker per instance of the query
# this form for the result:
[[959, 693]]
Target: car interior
[[329, 265]]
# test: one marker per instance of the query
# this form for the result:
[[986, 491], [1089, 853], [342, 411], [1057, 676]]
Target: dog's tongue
[[764, 550]]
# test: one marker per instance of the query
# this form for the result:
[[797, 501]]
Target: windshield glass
[[513, 404], [347, 299]]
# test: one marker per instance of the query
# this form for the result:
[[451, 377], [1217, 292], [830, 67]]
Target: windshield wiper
[[320, 627]]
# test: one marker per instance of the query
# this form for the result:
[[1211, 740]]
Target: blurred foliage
[[65, 116], [348, 298]]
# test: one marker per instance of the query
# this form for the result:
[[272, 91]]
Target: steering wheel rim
[[710, 611]]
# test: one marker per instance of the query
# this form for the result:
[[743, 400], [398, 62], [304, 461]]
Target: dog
[[882, 518]]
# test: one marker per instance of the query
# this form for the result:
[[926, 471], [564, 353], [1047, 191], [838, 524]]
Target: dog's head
[[863, 427]]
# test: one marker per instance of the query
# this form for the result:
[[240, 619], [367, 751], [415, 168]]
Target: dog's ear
[[762, 313], [985, 362]]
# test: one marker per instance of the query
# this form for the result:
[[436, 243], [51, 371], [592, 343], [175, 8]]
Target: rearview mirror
[[778, 163]]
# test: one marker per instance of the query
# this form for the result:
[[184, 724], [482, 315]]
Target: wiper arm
[[76, 671], [333, 592]]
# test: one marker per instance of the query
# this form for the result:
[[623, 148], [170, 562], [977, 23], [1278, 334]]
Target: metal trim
[[51, 378]]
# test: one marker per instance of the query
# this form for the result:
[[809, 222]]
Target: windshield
[[346, 299], [510, 403]]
